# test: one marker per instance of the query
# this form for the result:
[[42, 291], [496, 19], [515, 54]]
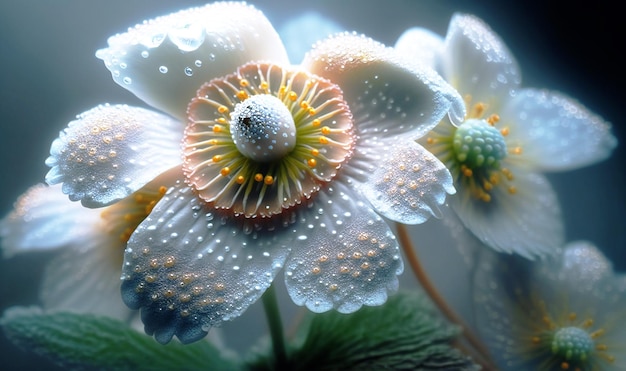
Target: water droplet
[[127, 80], [163, 69], [145, 54], [198, 63], [188, 71]]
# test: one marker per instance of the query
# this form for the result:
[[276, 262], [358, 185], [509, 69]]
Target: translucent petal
[[344, 256], [477, 63], [165, 60], [409, 184], [527, 223], [44, 219], [556, 132], [421, 46], [111, 151], [387, 95], [85, 278], [189, 268]]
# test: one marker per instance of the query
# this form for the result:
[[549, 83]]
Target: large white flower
[[280, 165], [508, 138], [565, 313]]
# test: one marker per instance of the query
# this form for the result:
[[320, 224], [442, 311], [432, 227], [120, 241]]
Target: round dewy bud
[[262, 128], [572, 343], [478, 144]]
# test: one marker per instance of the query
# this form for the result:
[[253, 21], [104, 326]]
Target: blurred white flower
[[565, 313], [281, 166], [509, 136]]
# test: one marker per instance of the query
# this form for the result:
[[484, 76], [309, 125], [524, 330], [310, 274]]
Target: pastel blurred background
[[49, 74]]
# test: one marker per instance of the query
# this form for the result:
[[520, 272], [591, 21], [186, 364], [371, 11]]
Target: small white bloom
[[509, 136], [565, 313], [281, 166]]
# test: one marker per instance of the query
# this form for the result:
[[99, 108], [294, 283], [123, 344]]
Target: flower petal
[[165, 60], [189, 268], [421, 46], [409, 184], [301, 31], [387, 95], [111, 151], [556, 132], [527, 222], [85, 278], [345, 256], [44, 219], [477, 63]]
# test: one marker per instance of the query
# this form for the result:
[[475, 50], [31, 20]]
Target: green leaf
[[83, 341], [406, 333]]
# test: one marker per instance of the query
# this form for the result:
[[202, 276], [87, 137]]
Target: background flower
[[68, 82]]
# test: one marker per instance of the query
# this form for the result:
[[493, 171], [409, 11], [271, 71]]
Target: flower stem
[[416, 266], [270, 304]]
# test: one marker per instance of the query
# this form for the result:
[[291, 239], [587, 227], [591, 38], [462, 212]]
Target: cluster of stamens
[[265, 138]]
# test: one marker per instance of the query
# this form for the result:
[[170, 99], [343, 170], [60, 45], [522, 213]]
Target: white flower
[[508, 138], [280, 166], [565, 313], [84, 276]]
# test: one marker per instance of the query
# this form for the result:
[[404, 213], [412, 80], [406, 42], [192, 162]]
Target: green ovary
[[572, 343], [478, 145]]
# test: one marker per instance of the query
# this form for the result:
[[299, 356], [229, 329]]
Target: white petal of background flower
[[44, 219], [477, 63], [165, 61], [345, 255], [386, 94], [409, 184], [122, 147], [85, 278], [555, 131], [197, 267], [527, 222], [421, 46]]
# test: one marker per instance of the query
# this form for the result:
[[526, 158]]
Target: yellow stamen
[[311, 162], [225, 171], [244, 83], [242, 95], [268, 180], [258, 177], [240, 179], [293, 96], [222, 109]]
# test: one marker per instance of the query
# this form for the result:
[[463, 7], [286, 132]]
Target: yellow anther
[[596, 334], [478, 110], [504, 131], [572, 316], [293, 96], [264, 85], [487, 186], [485, 197], [325, 130], [304, 105], [602, 347], [217, 158], [243, 83], [323, 140], [217, 128], [311, 162], [588, 323], [430, 140], [242, 95], [507, 173], [222, 109], [516, 151], [493, 119], [225, 171], [268, 180], [213, 142], [281, 91], [162, 190], [466, 171], [221, 120], [240, 179], [315, 152], [512, 190], [312, 111], [258, 177], [316, 122]]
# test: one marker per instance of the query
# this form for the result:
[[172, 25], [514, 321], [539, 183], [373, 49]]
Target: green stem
[[276, 327]]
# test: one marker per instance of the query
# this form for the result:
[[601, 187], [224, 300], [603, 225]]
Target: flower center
[[265, 138], [262, 128], [572, 343], [479, 145]]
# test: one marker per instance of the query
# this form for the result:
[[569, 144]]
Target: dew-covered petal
[[44, 219], [387, 95], [408, 184], [85, 278], [555, 131], [189, 269], [344, 256], [165, 60], [527, 222], [421, 46], [111, 151], [477, 63]]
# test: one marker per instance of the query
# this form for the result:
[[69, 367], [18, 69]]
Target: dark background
[[48, 74]]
